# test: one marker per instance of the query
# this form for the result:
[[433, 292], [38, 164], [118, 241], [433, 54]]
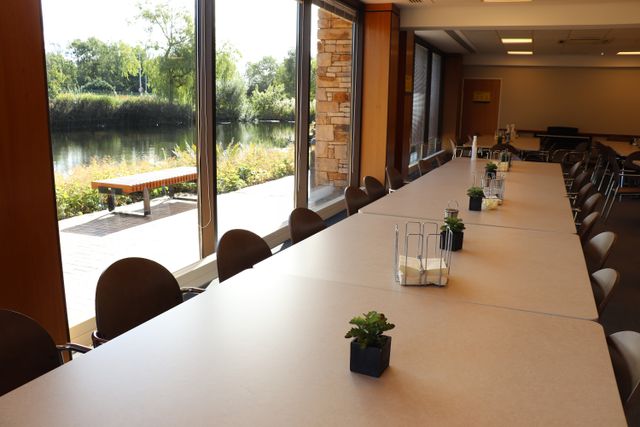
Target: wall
[[333, 100], [30, 262], [595, 100]]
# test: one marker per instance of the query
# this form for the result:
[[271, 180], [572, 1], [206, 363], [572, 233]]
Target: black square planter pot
[[370, 361], [456, 237], [475, 203]]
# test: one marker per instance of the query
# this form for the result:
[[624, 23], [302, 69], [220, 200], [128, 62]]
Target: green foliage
[[454, 224], [98, 86], [61, 74], [272, 104], [260, 75], [369, 329], [244, 165], [286, 74], [238, 166], [172, 36], [91, 111], [491, 167], [475, 192], [230, 99], [113, 63]]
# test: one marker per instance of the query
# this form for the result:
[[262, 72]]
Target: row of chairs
[[584, 180], [129, 292]]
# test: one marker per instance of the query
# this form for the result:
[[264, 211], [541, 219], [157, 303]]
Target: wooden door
[[480, 107]]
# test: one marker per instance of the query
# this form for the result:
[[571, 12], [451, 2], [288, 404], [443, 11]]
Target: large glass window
[[420, 82], [121, 78], [255, 103], [434, 104], [330, 95], [425, 121]]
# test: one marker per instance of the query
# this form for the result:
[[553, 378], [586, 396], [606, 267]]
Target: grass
[[238, 166]]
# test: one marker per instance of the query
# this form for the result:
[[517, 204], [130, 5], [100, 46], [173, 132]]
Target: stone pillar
[[333, 100]]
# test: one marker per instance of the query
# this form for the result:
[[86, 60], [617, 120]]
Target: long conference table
[[509, 341]]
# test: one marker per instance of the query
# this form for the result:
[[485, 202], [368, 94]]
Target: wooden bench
[[143, 182]]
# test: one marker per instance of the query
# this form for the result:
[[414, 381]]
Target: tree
[[61, 74], [171, 31], [286, 74], [260, 75], [230, 88], [112, 63]]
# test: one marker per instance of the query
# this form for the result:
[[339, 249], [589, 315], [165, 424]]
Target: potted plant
[[476, 194], [491, 169], [457, 235], [370, 350]]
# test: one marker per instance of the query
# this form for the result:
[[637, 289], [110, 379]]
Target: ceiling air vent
[[415, 1], [584, 41]]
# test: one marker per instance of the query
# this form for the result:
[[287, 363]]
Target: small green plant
[[368, 330], [491, 167], [454, 224], [475, 192]]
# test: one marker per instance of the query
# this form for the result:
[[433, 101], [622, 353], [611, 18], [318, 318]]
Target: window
[[425, 122], [330, 96], [122, 102]]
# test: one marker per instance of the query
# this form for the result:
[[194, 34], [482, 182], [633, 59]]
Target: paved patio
[[90, 243]]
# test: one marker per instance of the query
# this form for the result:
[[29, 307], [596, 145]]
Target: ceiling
[[597, 42], [559, 28]]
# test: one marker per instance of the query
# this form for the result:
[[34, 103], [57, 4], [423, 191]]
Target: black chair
[[373, 188], [28, 351], [597, 250], [238, 250], [394, 178], [624, 350], [586, 226], [427, 165], [603, 284], [130, 292], [304, 223], [355, 199]]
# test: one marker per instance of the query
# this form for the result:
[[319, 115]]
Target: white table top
[[504, 267], [623, 148], [269, 350], [534, 197]]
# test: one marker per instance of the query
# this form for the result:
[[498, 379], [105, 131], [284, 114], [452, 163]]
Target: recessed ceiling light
[[628, 53], [520, 52], [517, 40]]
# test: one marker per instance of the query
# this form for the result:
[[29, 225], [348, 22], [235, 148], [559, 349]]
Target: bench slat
[[138, 182]]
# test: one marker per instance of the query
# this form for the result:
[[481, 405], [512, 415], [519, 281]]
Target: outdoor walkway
[[90, 243]]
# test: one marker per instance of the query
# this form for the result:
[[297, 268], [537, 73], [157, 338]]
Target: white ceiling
[[589, 28]]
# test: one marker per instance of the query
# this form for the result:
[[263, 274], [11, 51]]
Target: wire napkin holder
[[425, 258]]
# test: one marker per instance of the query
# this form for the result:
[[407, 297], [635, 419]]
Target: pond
[[74, 148]]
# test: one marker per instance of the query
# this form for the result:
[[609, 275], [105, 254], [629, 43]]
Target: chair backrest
[[603, 282], [27, 351], [580, 180], [597, 250], [573, 170], [395, 178], [374, 188], [586, 226], [590, 205], [426, 165], [238, 250], [453, 147], [629, 161], [304, 223], [586, 191], [130, 292], [355, 199], [624, 349]]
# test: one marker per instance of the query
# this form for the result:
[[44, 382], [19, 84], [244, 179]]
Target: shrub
[[98, 86], [93, 111], [271, 104], [230, 99]]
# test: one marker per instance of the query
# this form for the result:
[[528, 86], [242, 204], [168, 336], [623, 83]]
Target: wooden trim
[[32, 281], [383, 7]]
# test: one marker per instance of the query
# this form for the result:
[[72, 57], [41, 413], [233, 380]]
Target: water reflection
[[71, 149]]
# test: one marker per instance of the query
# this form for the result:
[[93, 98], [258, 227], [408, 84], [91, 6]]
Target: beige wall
[[595, 100]]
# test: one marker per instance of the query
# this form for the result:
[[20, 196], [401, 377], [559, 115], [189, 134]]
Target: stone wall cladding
[[333, 100]]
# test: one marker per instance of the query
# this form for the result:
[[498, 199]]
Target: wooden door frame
[[464, 79]]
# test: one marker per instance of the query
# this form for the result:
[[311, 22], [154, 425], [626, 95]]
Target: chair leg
[[613, 200]]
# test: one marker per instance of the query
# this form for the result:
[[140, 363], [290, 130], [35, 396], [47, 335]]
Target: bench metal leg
[[111, 200], [147, 201]]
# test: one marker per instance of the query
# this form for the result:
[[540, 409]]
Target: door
[[480, 107]]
